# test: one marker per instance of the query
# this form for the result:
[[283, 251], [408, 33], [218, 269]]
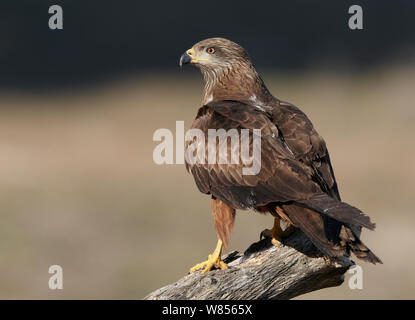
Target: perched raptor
[[295, 182]]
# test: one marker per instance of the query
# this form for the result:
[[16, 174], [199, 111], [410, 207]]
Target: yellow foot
[[207, 265], [214, 260], [277, 233], [267, 233]]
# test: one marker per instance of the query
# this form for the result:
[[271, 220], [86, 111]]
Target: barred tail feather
[[338, 241]]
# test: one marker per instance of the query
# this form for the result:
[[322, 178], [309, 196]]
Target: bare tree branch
[[262, 272]]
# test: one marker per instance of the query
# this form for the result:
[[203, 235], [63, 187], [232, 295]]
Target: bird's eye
[[210, 50]]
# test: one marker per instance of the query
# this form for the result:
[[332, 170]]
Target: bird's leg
[[276, 232], [214, 260]]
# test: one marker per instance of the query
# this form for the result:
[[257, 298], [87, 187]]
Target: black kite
[[295, 183]]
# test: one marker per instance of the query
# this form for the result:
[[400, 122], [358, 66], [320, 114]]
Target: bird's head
[[226, 67], [215, 54]]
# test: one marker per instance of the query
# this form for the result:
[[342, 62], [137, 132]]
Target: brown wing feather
[[295, 172], [307, 145], [281, 178], [312, 225]]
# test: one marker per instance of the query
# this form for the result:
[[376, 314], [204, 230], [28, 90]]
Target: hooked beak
[[189, 57], [185, 59]]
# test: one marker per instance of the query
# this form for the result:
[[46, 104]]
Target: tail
[[338, 210], [333, 237], [360, 250]]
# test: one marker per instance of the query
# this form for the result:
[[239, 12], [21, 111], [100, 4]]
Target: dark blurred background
[[79, 106], [106, 39]]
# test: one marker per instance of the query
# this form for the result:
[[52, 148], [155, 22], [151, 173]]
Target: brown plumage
[[223, 216], [296, 180]]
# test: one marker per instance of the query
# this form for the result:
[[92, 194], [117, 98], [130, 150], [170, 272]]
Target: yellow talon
[[276, 232], [214, 260]]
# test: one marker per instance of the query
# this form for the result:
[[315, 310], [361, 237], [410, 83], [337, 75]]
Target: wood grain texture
[[262, 272]]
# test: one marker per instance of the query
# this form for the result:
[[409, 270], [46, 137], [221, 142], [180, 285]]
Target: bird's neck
[[239, 82]]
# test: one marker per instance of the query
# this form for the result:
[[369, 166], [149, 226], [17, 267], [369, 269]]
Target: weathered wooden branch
[[262, 272]]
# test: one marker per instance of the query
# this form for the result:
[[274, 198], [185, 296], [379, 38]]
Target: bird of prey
[[295, 183]]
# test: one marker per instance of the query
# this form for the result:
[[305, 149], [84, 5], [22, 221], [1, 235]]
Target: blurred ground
[[79, 188]]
